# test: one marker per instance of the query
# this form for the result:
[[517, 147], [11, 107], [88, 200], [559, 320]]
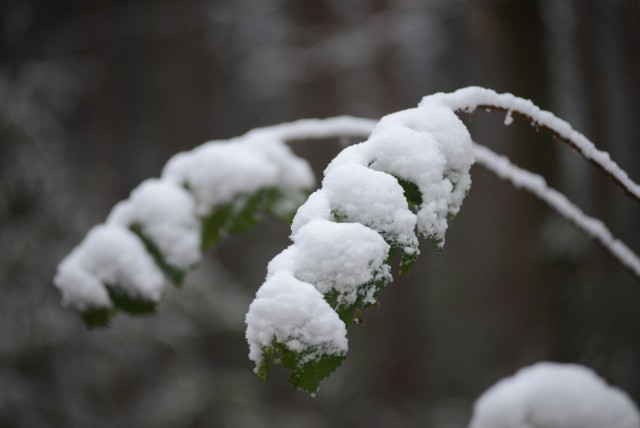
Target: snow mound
[[550, 395], [293, 313], [109, 255]]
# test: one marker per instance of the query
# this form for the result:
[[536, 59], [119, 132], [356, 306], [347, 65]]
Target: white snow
[[338, 233], [428, 146], [316, 207], [109, 255], [551, 395], [305, 129], [373, 198], [166, 215], [295, 314], [336, 256], [217, 172]]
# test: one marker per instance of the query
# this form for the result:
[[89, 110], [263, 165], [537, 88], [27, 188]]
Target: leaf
[[240, 216], [213, 225], [132, 305], [411, 193], [353, 312], [98, 317], [175, 274], [101, 317], [407, 261], [306, 374]]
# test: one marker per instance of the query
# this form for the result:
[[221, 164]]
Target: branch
[[535, 184], [310, 129], [471, 98], [494, 163]]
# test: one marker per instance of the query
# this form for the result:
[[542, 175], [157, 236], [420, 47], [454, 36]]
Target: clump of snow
[[294, 175], [430, 147], [166, 215], [336, 256], [554, 395], [218, 172], [373, 198], [295, 314], [109, 255], [316, 207]]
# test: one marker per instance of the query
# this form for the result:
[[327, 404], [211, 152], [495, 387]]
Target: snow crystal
[[295, 314], [336, 256], [166, 215], [109, 255], [554, 395], [373, 198]]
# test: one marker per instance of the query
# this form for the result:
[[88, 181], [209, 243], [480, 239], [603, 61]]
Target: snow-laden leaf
[[240, 215], [305, 373]]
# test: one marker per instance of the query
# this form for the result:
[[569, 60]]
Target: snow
[[339, 234], [217, 172], [373, 198], [316, 207], [168, 211], [428, 146], [295, 314], [554, 395], [109, 255], [166, 215], [535, 184], [336, 256], [305, 129]]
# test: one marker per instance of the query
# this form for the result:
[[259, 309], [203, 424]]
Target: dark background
[[96, 95]]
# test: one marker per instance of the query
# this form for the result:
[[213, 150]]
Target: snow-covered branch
[[471, 98], [534, 183], [406, 180]]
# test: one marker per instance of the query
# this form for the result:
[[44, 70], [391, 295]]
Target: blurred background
[[96, 95]]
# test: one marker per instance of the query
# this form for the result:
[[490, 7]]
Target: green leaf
[[98, 317], [213, 225], [352, 313], [308, 376], [175, 274], [411, 193], [305, 375], [240, 216], [131, 305], [407, 261]]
